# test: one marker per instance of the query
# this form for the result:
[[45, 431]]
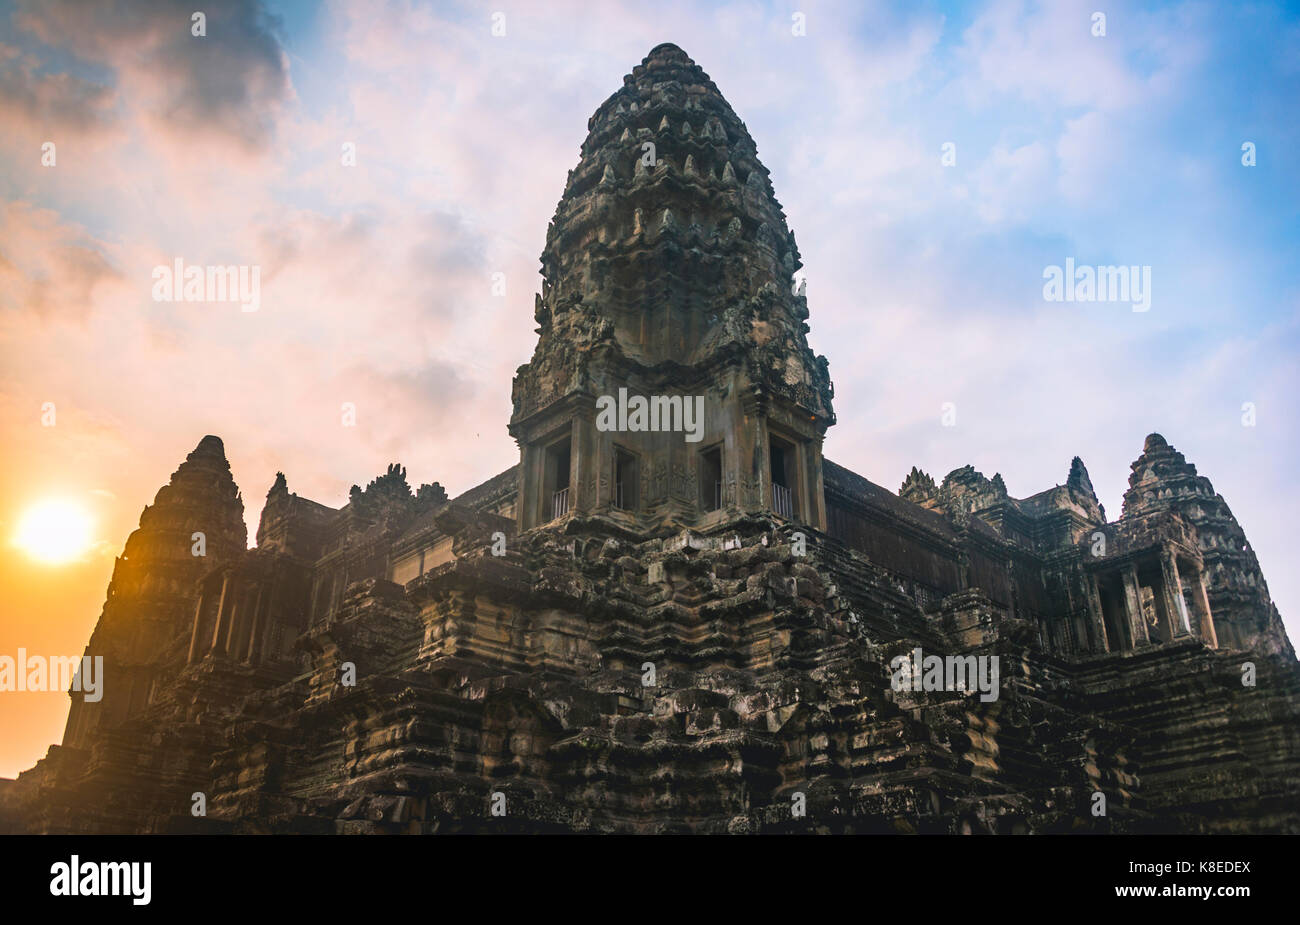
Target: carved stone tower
[[1244, 615], [195, 522], [668, 287]]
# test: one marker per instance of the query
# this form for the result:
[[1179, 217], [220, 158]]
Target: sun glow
[[54, 531]]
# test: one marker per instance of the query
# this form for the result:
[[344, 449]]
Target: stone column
[[1133, 607], [805, 507], [1208, 632], [584, 466], [530, 487], [754, 464], [1097, 617], [816, 487], [221, 612], [236, 613], [194, 631], [1174, 603], [603, 454], [258, 616]]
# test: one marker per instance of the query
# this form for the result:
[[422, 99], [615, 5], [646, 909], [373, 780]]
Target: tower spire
[[195, 522], [1244, 615], [669, 271]]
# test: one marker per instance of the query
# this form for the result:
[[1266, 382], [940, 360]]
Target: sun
[[54, 531]]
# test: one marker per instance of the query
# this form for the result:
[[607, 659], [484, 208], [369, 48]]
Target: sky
[[924, 278]]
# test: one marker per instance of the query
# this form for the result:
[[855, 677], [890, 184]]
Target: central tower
[[668, 285]]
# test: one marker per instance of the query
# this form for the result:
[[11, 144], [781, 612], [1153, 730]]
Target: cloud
[[50, 106], [1046, 54], [1011, 184], [228, 85], [48, 267]]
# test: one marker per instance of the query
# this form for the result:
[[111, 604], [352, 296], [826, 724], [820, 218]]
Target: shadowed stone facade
[[634, 631]]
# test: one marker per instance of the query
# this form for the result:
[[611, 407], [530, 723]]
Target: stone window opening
[[782, 467], [625, 480], [711, 479], [1152, 590], [556, 478], [1110, 589]]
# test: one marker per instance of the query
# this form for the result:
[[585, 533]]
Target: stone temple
[[645, 629]]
